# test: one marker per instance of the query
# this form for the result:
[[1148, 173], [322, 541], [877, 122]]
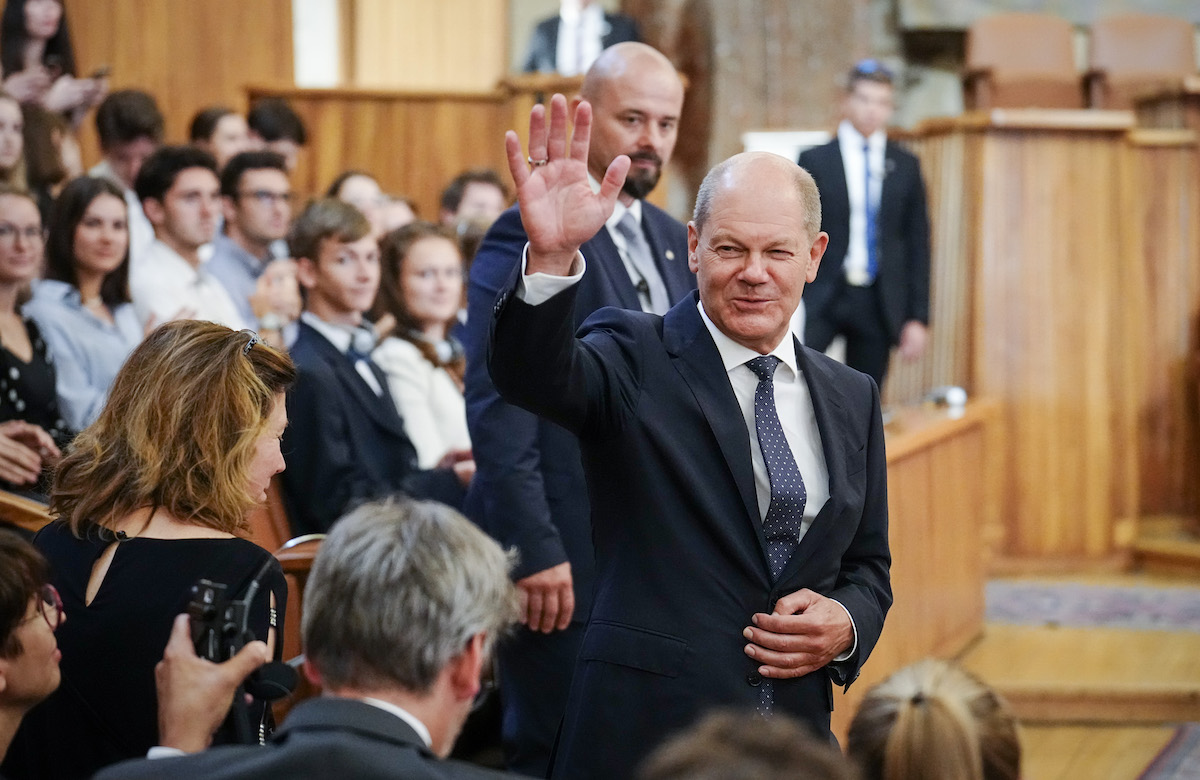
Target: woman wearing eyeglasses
[[32, 430], [150, 498], [30, 612], [82, 305]]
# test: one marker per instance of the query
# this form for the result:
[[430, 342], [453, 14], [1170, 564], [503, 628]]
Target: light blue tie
[[781, 526], [642, 257], [872, 238]]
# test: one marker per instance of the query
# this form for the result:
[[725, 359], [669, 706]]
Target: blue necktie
[[872, 242], [781, 526]]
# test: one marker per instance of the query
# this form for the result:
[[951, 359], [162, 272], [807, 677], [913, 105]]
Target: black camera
[[219, 627]]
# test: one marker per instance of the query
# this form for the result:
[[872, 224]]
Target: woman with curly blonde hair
[[933, 720], [149, 499]]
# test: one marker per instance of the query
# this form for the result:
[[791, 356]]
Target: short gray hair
[[397, 590], [806, 191]]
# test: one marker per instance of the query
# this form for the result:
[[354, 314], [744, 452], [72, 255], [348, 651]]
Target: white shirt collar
[[850, 138], [620, 210], [572, 14], [337, 335], [403, 715], [734, 354]]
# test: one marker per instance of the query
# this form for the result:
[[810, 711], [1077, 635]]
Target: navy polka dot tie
[[781, 526], [782, 523]]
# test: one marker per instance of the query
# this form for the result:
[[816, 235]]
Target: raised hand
[[558, 208]]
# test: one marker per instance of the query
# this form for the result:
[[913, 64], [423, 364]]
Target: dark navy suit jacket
[[344, 444], [680, 555], [529, 491], [902, 282], [543, 44], [321, 738]]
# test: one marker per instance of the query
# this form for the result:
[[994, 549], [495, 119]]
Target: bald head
[[622, 60], [748, 170], [636, 99]]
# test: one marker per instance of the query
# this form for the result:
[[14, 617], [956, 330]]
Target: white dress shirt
[[851, 142], [165, 284], [580, 38]]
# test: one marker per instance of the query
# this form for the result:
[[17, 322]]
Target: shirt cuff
[[854, 646], [162, 751], [537, 288]]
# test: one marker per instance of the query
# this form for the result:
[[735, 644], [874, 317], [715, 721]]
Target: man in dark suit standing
[[737, 479], [571, 40], [404, 601], [346, 442], [874, 287], [529, 490]]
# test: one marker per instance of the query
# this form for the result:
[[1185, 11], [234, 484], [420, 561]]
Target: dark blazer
[[529, 491], [543, 44], [902, 283], [321, 738], [344, 444], [680, 555]]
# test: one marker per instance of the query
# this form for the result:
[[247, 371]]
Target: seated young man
[[182, 198], [346, 441]]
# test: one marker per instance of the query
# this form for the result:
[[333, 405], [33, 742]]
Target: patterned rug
[[1141, 608], [1179, 759]]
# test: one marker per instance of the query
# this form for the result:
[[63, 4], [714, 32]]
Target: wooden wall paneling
[[188, 55], [1163, 266], [946, 359], [412, 142], [417, 44], [1047, 299]]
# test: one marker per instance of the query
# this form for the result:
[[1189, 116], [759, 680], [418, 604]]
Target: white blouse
[[435, 416]]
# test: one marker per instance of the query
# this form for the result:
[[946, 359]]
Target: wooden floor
[[1094, 703]]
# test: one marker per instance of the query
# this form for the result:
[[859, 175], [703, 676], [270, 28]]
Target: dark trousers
[[535, 678], [855, 314]]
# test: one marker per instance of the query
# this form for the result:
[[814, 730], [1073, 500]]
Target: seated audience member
[[12, 143], [475, 194], [82, 305], [933, 720], [402, 607], [220, 131], [180, 194], [398, 211], [256, 198], [130, 128], [347, 442], [27, 372], [571, 40], [730, 745], [46, 170], [38, 60], [276, 127], [422, 284], [30, 613], [149, 500], [361, 191]]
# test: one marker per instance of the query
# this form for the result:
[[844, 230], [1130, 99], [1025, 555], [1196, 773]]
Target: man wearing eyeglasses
[[873, 288], [248, 254]]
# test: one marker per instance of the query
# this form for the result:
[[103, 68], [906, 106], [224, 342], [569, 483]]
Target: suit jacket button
[[754, 678]]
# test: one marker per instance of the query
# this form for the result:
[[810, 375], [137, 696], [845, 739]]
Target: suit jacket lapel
[[832, 424], [835, 191], [696, 358], [674, 270], [380, 407], [602, 252], [887, 194]]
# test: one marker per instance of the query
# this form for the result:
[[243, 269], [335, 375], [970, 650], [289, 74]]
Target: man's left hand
[[912, 339], [804, 633]]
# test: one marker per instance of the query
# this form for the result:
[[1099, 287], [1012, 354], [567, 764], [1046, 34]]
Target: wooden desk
[[943, 507]]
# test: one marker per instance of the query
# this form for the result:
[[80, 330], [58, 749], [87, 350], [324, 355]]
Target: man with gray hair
[[402, 607], [737, 479]]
